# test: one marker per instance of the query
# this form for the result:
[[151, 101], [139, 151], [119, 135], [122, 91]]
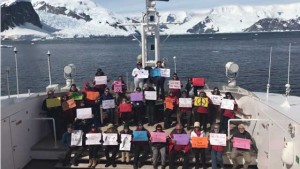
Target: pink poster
[[117, 86], [158, 137], [241, 143]]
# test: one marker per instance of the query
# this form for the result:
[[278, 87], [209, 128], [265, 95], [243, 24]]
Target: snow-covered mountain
[[85, 18]]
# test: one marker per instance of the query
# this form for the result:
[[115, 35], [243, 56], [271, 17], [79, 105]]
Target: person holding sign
[[113, 149], [158, 147], [187, 111], [217, 151], [119, 83], [227, 113], [242, 141], [197, 133], [150, 105], [176, 150], [215, 113], [76, 95], [138, 108], [99, 87], [93, 149], [140, 147], [176, 92], [137, 81], [125, 154], [53, 112], [159, 82], [110, 111], [202, 113], [125, 110], [69, 110], [171, 103], [66, 140]]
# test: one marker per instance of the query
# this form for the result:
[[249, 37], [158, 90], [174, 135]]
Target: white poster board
[[165, 72], [227, 104], [108, 104], [217, 139], [76, 138], [143, 74], [185, 102], [174, 84], [84, 113], [150, 95], [93, 139], [110, 139], [216, 99], [125, 142], [100, 80]]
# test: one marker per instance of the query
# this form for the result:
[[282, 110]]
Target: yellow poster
[[199, 142], [55, 102], [200, 101]]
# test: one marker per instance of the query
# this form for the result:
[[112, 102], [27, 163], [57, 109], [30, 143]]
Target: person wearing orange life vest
[[202, 111], [171, 103], [228, 114]]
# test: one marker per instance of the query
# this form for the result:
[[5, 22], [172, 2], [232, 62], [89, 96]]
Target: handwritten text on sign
[[100, 80], [108, 104], [110, 139], [227, 104], [150, 95], [217, 139], [158, 137], [174, 84], [241, 143], [93, 139], [117, 86], [216, 99], [201, 101], [165, 72], [84, 113], [76, 138], [140, 136], [199, 142], [143, 74], [125, 142], [185, 102], [181, 139]]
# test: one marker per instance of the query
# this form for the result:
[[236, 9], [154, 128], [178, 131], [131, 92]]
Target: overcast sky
[[134, 6]]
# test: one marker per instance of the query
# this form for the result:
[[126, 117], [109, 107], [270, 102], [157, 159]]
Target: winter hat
[[197, 124]]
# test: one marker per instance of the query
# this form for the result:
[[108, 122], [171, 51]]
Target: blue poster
[[140, 136], [155, 72]]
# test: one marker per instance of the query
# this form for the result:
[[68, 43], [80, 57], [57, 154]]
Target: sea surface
[[196, 56]]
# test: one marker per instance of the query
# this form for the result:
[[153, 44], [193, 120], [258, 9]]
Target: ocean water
[[196, 56]]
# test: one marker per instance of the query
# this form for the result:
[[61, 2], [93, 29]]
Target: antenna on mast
[[270, 63]]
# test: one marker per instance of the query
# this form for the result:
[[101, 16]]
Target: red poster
[[125, 108], [198, 81]]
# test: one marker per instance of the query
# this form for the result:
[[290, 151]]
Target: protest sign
[[164, 72], [174, 84], [76, 138], [150, 95], [199, 142], [100, 80], [155, 72], [92, 95], [160, 137], [84, 113], [216, 99], [198, 81], [217, 139], [185, 102], [69, 104], [108, 104], [55, 102], [125, 108], [143, 74], [201, 101], [125, 142], [241, 143], [117, 86], [181, 139], [169, 103], [93, 139], [140, 136], [227, 104], [110, 139], [76, 95], [137, 96]]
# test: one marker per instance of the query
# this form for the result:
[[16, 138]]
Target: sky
[[137, 6]]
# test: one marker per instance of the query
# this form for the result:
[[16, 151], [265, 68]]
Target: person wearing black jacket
[[150, 105], [159, 147], [141, 147]]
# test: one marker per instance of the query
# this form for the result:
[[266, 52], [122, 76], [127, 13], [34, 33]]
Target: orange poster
[[92, 95], [199, 142], [69, 104], [169, 103]]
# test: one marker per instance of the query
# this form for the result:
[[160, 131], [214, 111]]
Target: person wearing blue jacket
[[66, 139]]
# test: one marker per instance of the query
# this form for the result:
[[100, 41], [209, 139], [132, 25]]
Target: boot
[[94, 163], [90, 163], [123, 157], [127, 157]]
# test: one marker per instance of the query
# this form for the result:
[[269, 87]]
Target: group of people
[[201, 115]]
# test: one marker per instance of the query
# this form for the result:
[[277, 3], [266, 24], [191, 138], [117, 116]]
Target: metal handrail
[[54, 127]]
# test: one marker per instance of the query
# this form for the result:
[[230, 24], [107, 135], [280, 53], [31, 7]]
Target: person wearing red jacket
[[185, 110], [228, 114], [170, 110], [217, 151], [202, 113], [178, 150]]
